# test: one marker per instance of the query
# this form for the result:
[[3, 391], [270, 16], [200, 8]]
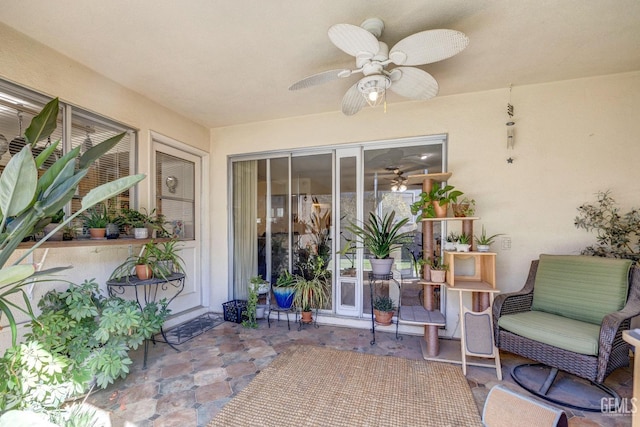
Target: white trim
[[202, 198]]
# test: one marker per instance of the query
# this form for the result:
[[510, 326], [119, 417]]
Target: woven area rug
[[315, 386]]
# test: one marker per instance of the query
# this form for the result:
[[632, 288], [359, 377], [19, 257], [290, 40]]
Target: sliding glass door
[[292, 212]]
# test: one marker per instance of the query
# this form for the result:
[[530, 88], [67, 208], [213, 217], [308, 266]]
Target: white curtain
[[245, 228]]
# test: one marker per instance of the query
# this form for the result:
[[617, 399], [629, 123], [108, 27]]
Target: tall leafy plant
[[27, 201], [381, 235], [617, 233]]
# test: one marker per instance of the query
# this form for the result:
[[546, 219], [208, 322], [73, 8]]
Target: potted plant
[[450, 241], [381, 236], [434, 204], [284, 290], [438, 269], [35, 197], [383, 308], [250, 314], [141, 266], [309, 294], [261, 287], [95, 220], [52, 227], [483, 241], [464, 243], [166, 260], [68, 232], [464, 208], [141, 223]]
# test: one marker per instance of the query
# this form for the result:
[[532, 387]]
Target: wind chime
[[510, 128]]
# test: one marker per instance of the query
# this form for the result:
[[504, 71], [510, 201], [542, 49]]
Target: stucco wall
[[573, 138]]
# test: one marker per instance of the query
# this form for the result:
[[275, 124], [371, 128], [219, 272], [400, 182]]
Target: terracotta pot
[[440, 209], [383, 317], [97, 233], [306, 317], [143, 272]]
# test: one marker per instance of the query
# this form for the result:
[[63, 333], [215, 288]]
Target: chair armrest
[[514, 302], [614, 323]]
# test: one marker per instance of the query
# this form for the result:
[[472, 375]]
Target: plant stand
[[313, 322], [148, 291]]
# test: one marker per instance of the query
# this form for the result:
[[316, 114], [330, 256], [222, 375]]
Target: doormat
[[185, 331]]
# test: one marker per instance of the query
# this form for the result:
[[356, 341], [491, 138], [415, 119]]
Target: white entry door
[[177, 191]]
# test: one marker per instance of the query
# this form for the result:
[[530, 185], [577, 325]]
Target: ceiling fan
[[373, 57], [399, 181]]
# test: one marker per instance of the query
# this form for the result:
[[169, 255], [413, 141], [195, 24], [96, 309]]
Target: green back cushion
[[581, 287]]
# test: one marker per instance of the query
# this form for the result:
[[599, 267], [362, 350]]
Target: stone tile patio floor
[[189, 387]]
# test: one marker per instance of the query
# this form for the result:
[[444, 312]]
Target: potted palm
[[383, 308], [381, 236]]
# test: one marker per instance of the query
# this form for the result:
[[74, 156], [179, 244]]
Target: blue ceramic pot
[[284, 296]]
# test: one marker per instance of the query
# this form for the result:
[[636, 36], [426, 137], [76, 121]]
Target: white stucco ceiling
[[226, 62]]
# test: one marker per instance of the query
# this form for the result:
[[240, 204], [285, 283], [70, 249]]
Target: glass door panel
[[312, 206], [349, 209], [279, 216]]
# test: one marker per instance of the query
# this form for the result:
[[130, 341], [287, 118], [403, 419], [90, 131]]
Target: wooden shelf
[[452, 218], [90, 242], [482, 271], [468, 286]]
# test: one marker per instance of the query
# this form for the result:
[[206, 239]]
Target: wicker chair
[[612, 352]]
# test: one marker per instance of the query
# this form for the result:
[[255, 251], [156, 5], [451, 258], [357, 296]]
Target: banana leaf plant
[[26, 202]]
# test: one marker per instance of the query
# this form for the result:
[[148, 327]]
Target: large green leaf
[[62, 194], [44, 123], [94, 153], [64, 179], [50, 174], [18, 183], [15, 273], [110, 189], [46, 153]]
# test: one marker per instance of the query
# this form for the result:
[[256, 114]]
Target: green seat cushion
[[581, 287], [558, 331]]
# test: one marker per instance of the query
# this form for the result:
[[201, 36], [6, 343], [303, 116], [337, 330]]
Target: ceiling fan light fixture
[[374, 88]]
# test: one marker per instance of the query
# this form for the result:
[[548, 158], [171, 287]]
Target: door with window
[[177, 197]]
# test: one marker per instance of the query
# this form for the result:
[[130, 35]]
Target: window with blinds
[[18, 106]]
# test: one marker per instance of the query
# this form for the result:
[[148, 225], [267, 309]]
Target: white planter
[[260, 312], [483, 248], [449, 246], [381, 267], [462, 247], [141, 233]]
